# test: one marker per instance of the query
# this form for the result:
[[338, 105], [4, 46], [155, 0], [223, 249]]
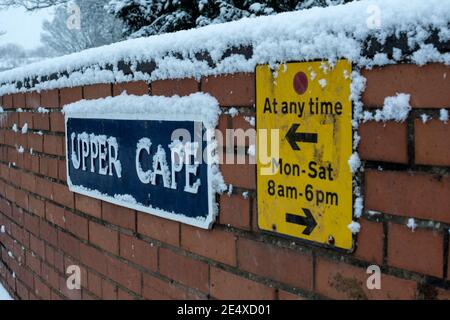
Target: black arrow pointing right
[[292, 136], [308, 221]]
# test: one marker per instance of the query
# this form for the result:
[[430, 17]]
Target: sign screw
[[331, 240]]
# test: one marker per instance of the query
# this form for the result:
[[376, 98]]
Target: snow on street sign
[[145, 153], [305, 191]]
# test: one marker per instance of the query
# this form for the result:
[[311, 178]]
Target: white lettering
[[143, 144], [191, 169], [75, 157]]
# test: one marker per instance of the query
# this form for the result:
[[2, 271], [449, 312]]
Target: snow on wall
[[318, 33]]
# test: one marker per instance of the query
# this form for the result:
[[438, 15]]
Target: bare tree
[[31, 5], [97, 27]]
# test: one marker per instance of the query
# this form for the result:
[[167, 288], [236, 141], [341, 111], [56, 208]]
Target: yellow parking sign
[[304, 122]]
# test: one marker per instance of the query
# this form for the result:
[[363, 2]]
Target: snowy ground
[[4, 295]]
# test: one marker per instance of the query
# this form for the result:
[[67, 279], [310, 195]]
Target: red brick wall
[[124, 254]]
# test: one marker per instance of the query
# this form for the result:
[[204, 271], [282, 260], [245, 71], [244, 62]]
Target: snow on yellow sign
[[304, 116]]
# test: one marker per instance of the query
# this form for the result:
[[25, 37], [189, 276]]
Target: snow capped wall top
[[368, 33]]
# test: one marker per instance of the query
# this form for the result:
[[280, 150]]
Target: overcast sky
[[22, 27]]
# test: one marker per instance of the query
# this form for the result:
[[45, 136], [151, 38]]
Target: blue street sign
[[154, 166]]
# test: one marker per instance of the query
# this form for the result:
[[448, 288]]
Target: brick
[[95, 284], [8, 101], [234, 90], [104, 237], [21, 198], [97, 91], [411, 194], [85, 295], [41, 290], [428, 85], [22, 291], [88, 205], [284, 295], [139, 252], [62, 170], [386, 142], [59, 262], [93, 258], [123, 274], [235, 211], [69, 95], [369, 244], [265, 260], [28, 181], [239, 173], [33, 262], [4, 171], [31, 223], [432, 142], [76, 224], [50, 98], [190, 272], [48, 167], [5, 207], [442, 294], [10, 193], [57, 123], [49, 255], [55, 214], [243, 134], [137, 88], [222, 126], [227, 286], [54, 145], [26, 117], [70, 245], [45, 188], [41, 121], [32, 100], [36, 142], [109, 290], [157, 289], [66, 292], [420, 251], [19, 100], [157, 228], [10, 138], [11, 118], [214, 244], [48, 233], [180, 87], [119, 216], [123, 295], [62, 195], [338, 280], [50, 276]]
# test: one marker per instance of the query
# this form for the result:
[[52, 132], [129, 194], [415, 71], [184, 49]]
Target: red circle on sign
[[300, 82]]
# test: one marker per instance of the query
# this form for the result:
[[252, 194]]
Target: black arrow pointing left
[[308, 221], [293, 137]]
